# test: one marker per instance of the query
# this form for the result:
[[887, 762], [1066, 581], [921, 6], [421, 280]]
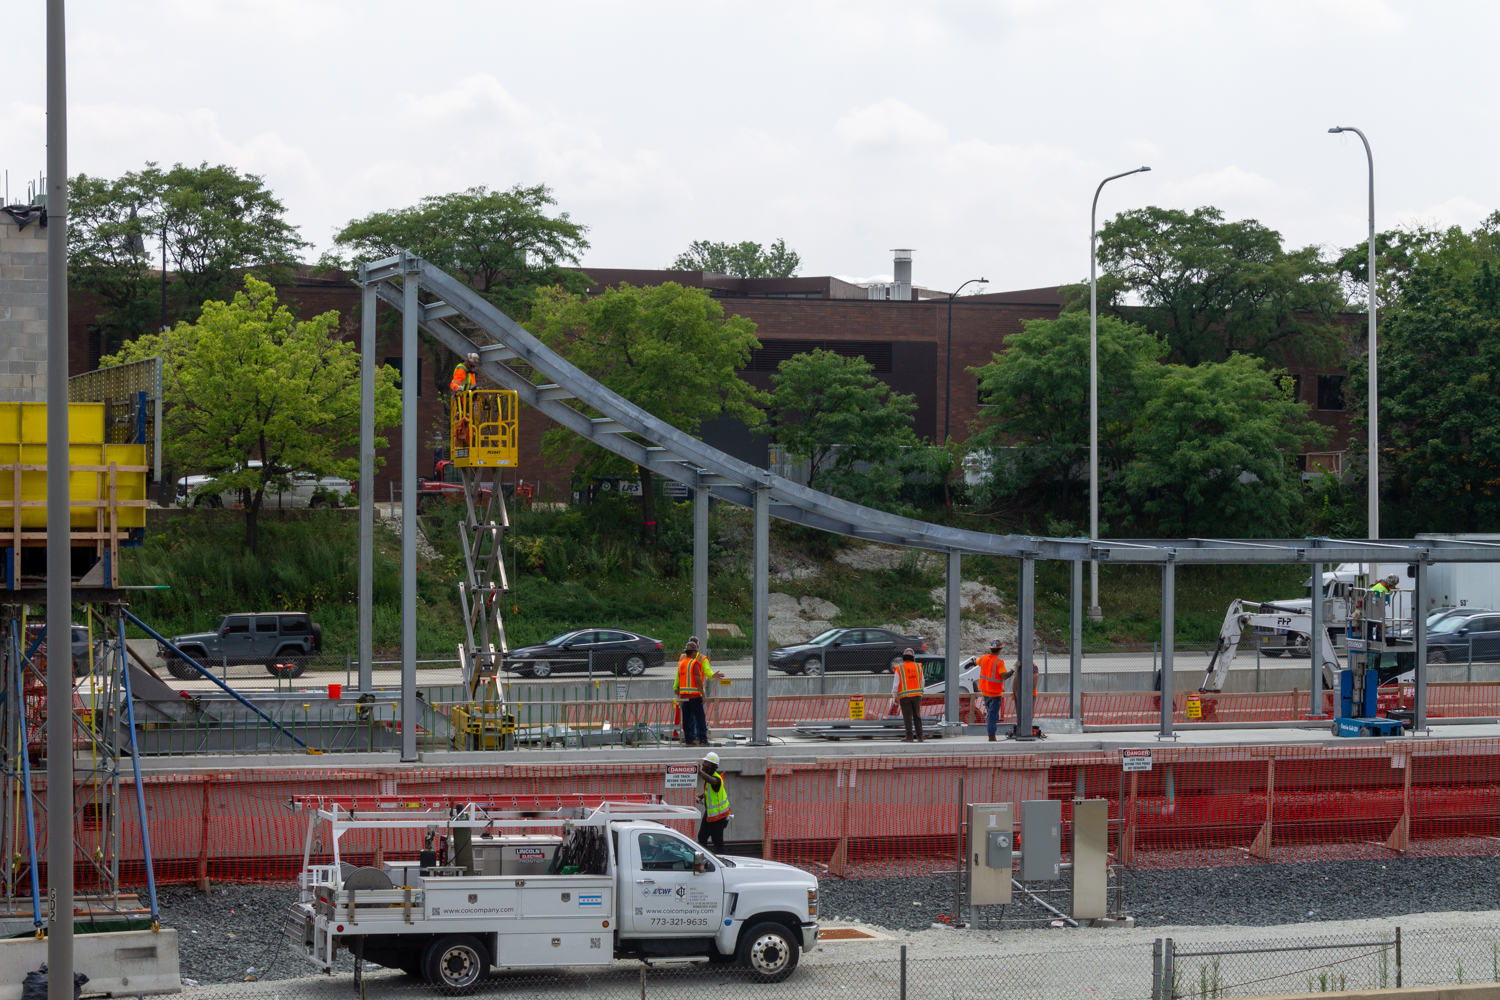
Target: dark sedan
[[1457, 638], [874, 649], [602, 651]]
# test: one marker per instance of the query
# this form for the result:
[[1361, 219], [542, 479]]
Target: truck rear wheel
[[455, 964], [768, 952]]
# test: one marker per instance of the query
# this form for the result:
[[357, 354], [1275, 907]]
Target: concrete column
[[1168, 628], [950, 638], [409, 389], [1025, 647], [60, 806], [1419, 631], [1075, 644], [1315, 644], [366, 483], [700, 567], [760, 628]]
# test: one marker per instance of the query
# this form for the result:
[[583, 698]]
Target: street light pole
[[1095, 612], [1373, 441], [948, 376]]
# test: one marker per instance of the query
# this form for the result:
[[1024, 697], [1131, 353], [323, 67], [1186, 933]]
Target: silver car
[[307, 490]]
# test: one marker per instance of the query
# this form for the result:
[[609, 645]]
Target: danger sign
[[1136, 760], [682, 776]]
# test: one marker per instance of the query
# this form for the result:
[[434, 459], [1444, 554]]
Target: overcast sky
[[973, 132]]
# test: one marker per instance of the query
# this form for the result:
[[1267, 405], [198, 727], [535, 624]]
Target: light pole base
[[1095, 613]]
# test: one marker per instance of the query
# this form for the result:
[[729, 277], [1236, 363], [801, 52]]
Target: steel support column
[[366, 483], [1075, 644], [1315, 645], [409, 390], [59, 544], [1025, 682], [950, 637], [1419, 631], [1168, 628], [760, 572], [700, 568]]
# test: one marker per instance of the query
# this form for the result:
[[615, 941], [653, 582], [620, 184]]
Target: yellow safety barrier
[[483, 428]]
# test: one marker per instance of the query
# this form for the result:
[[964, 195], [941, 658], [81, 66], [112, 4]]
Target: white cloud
[[889, 122]]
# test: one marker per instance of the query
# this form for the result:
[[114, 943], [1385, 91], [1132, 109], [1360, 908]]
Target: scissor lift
[[483, 427]]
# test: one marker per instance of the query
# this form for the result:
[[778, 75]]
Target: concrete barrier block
[[118, 962]]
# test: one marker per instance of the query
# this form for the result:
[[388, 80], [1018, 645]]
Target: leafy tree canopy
[[503, 244], [1182, 450], [219, 225], [250, 383], [1439, 380], [1209, 288], [742, 260], [831, 412], [667, 349]]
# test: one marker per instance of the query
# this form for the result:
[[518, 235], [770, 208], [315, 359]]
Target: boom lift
[[483, 431]]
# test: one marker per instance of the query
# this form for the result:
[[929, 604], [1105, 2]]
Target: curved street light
[[948, 373], [1372, 444], [1096, 612]]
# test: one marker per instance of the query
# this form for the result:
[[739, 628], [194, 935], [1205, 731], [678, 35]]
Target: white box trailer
[[618, 883]]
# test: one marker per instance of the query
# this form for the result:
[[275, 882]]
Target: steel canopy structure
[[641, 438]]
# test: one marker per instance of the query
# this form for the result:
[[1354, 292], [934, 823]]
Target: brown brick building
[[905, 339]]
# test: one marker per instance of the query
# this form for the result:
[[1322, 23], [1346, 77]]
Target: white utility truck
[[538, 882]]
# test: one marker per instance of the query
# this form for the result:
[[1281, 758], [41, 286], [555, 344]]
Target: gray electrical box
[[515, 854], [1090, 858], [991, 833], [1041, 840]]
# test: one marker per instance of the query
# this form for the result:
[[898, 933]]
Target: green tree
[[1209, 288], [829, 411], [218, 225], [1439, 380], [667, 349], [249, 382], [503, 244], [1212, 453], [742, 260], [1033, 435]]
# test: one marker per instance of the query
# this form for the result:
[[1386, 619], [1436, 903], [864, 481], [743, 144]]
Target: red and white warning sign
[[1136, 759], [682, 776]]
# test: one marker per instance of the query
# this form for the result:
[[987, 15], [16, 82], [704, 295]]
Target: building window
[[1289, 384], [983, 398], [1331, 392], [773, 352], [395, 362]]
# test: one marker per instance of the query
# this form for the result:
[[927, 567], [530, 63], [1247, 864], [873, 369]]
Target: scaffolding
[[101, 712]]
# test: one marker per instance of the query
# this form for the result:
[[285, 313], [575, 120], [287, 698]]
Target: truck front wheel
[[768, 952], [455, 964]]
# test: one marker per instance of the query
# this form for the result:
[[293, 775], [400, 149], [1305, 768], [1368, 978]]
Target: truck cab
[[601, 882]]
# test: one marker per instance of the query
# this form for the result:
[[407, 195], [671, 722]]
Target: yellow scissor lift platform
[[483, 430], [106, 490]]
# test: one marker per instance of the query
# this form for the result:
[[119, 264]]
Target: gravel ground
[[238, 927]]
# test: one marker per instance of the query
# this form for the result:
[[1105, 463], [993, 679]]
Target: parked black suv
[[281, 640], [1451, 639], [874, 649]]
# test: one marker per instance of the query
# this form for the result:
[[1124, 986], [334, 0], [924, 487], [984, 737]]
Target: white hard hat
[[711, 758]]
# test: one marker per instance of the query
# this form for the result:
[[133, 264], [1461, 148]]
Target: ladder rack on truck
[[538, 882]]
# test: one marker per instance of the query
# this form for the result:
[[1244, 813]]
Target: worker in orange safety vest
[[907, 687], [463, 374], [992, 677], [693, 674]]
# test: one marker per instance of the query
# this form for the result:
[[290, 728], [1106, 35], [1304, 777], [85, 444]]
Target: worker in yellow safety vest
[[715, 799], [992, 678], [907, 687], [693, 674], [463, 374]]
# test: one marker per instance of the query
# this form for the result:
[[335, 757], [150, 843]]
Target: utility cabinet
[[991, 834], [1090, 859], [1041, 840]]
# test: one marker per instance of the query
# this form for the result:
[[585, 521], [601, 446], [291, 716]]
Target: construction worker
[[693, 674], [463, 374], [907, 687], [992, 678], [715, 799]]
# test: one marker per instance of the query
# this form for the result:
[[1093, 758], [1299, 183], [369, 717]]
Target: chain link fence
[[967, 969]]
